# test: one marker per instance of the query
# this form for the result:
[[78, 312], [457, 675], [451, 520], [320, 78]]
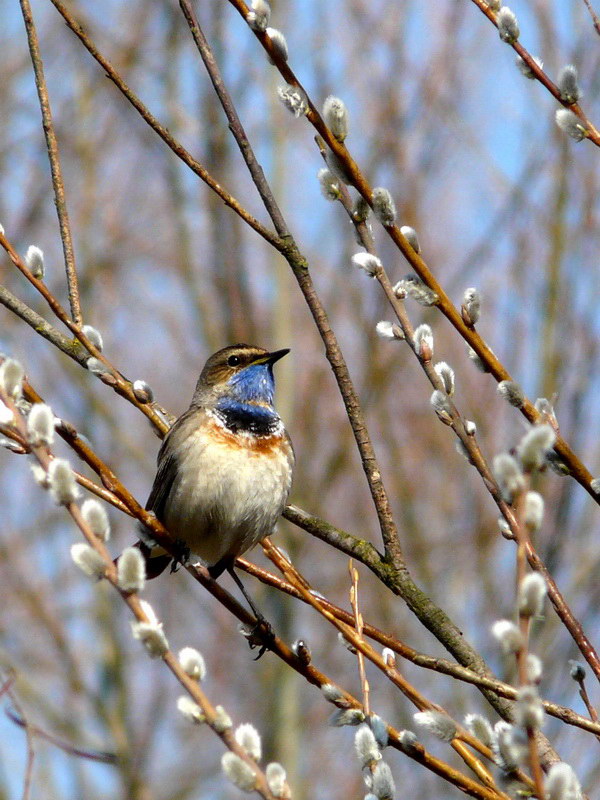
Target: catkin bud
[[190, 710], [423, 340], [568, 85], [11, 378], [534, 511], [366, 746], [508, 635], [471, 306], [248, 737], [238, 771], [330, 187], [361, 210], [97, 519], [529, 711], [532, 593], [480, 728], [192, 663], [131, 570], [335, 114], [384, 207], [61, 479], [525, 69], [509, 476], [570, 124], [294, 99], [561, 783], [143, 392], [414, 287], [34, 259], [437, 723], [410, 235], [441, 406], [388, 330], [40, 425], [88, 560], [94, 336], [383, 783], [508, 27], [367, 262], [258, 17], [277, 780], [512, 392], [278, 43], [446, 374], [150, 632], [533, 447]]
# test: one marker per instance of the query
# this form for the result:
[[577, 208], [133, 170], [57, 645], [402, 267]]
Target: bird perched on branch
[[225, 467]]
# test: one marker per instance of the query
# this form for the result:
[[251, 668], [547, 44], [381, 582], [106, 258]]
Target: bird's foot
[[181, 555], [261, 635]]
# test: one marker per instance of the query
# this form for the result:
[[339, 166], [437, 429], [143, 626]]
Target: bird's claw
[[260, 635]]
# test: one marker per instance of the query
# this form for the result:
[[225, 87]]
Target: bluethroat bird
[[225, 467]]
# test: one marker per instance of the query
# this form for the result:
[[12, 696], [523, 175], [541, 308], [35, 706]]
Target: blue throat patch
[[254, 384]]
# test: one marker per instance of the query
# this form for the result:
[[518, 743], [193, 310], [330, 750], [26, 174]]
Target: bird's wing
[[166, 469]]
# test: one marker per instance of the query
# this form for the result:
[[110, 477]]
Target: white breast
[[225, 498]]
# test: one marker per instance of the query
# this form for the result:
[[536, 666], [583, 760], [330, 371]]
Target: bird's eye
[[233, 361]]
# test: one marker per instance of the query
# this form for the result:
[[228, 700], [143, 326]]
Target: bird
[[224, 470]]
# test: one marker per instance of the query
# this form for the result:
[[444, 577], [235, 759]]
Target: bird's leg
[[261, 634], [181, 555]]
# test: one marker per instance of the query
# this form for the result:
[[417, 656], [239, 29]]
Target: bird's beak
[[271, 358]]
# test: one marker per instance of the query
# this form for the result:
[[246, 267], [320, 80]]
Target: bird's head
[[241, 372]]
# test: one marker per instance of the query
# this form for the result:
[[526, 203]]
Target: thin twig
[[89, 755], [54, 158], [164, 134]]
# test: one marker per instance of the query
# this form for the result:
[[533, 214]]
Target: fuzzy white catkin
[[131, 570], [480, 728], [437, 723], [383, 785], [11, 377], [190, 710], [532, 593], [508, 636], [61, 479], [335, 114], [446, 374], [94, 335], [410, 235], [508, 27], [34, 258], [150, 632], [561, 783], [534, 445], [96, 517], [384, 207], [222, 721], [192, 663], [88, 560], [366, 746], [330, 185], [279, 43], [294, 99], [238, 771], [533, 515], [276, 779], [248, 737], [367, 262], [570, 124], [40, 425]]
